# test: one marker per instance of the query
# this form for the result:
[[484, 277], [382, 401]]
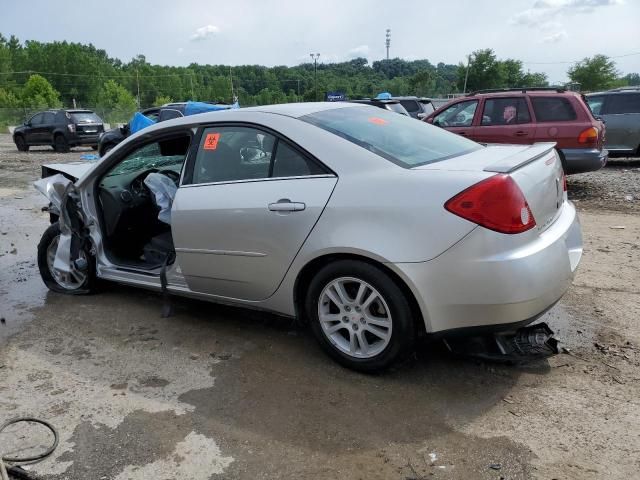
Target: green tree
[[161, 100], [596, 73], [39, 93], [8, 99], [485, 71], [632, 79], [116, 102]]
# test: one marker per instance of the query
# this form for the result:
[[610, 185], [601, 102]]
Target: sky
[[547, 35]]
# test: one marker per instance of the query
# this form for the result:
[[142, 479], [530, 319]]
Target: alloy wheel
[[355, 317], [68, 281]]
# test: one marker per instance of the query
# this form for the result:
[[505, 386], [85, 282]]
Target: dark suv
[[620, 110], [527, 116], [62, 129]]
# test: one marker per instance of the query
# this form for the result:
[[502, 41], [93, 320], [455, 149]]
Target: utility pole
[[193, 97], [138, 87], [298, 89], [233, 96], [315, 57], [466, 76], [388, 41]]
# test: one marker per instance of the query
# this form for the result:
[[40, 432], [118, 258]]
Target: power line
[[577, 61]]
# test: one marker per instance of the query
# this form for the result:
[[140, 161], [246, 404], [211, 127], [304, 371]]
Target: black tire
[[21, 144], [106, 148], [401, 342], [60, 143], [48, 237]]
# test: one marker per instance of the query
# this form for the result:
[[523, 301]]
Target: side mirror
[[27, 123]]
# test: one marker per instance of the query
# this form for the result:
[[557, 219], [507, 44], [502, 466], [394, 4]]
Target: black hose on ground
[[14, 470]]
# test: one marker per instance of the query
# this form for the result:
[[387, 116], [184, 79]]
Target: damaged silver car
[[371, 227]]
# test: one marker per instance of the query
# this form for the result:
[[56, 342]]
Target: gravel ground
[[224, 393]]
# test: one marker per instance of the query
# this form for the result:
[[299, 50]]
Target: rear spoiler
[[525, 156]]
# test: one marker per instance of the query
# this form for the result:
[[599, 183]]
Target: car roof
[[506, 92], [295, 110], [616, 91]]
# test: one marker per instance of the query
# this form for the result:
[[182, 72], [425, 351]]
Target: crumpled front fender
[[57, 189]]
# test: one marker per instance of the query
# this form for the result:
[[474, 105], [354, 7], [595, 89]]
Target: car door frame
[[467, 131], [34, 134], [187, 177], [48, 128]]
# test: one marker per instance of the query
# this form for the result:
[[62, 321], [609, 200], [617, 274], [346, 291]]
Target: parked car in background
[[620, 110], [62, 129], [168, 111], [419, 232], [527, 116], [417, 107], [387, 104]]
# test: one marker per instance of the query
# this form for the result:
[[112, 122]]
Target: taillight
[[496, 203], [588, 136], [71, 127]]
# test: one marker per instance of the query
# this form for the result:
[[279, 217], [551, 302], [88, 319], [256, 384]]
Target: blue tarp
[[384, 96], [139, 121], [192, 108]]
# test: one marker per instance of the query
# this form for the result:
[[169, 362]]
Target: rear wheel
[[74, 283], [359, 315], [60, 144], [21, 144], [105, 149]]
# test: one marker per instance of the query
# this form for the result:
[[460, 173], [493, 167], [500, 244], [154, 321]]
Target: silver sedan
[[369, 226]]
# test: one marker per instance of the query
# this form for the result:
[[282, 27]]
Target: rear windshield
[[85, 117], [400, 139], [396, 107]]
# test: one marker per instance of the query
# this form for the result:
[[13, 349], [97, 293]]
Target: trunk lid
[[536, 169]]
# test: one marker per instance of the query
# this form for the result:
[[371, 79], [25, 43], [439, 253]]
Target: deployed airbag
[[164, 191]]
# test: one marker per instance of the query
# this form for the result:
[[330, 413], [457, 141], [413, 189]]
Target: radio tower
[[388, 41]]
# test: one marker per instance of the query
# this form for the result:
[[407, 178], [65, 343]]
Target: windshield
[[145, 158], [398, 138], [85, 117]]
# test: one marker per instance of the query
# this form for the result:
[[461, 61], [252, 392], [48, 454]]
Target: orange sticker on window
[[378, 120], [211, 141]]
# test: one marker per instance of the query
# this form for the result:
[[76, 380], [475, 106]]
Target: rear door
[[557, 121], [458, 118], [621, 113], [247, 202], [505, 120], [48, 126], [34, 135]]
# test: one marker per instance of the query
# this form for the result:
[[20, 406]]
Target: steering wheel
[[172, 174]]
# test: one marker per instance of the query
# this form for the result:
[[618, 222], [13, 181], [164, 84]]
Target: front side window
[[553, 109], [236, 153], [457, 115], [505, 111], [621, 103], [397, 138], [37, 119]]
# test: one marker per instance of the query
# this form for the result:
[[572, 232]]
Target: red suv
[[526, 116]]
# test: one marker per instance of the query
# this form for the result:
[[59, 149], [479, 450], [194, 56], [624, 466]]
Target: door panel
[[505, 120], [622, 131], [238, 239]]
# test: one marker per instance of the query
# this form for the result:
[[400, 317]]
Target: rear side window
[[623, 103], [85, 117], [236, 153], [505, 111], [397, 138], [553, 109], [427, 107], [49, 118], [410, 105]]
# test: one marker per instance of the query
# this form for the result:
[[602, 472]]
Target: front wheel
[[21, 144], [360, 316], [76, 282]]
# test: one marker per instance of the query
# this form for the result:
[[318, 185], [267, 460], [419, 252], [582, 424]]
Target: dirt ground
[[218, 392]]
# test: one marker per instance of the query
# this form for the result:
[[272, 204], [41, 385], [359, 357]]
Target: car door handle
[[521, 134], [462, 133], [286, 205]]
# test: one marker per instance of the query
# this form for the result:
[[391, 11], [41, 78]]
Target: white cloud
[[205, 32], [359, 51], [543, 12], [555, 37]]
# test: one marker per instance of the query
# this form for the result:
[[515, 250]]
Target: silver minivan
[[620, 110]]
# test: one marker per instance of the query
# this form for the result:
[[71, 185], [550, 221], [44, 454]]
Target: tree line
[[37, 75]]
